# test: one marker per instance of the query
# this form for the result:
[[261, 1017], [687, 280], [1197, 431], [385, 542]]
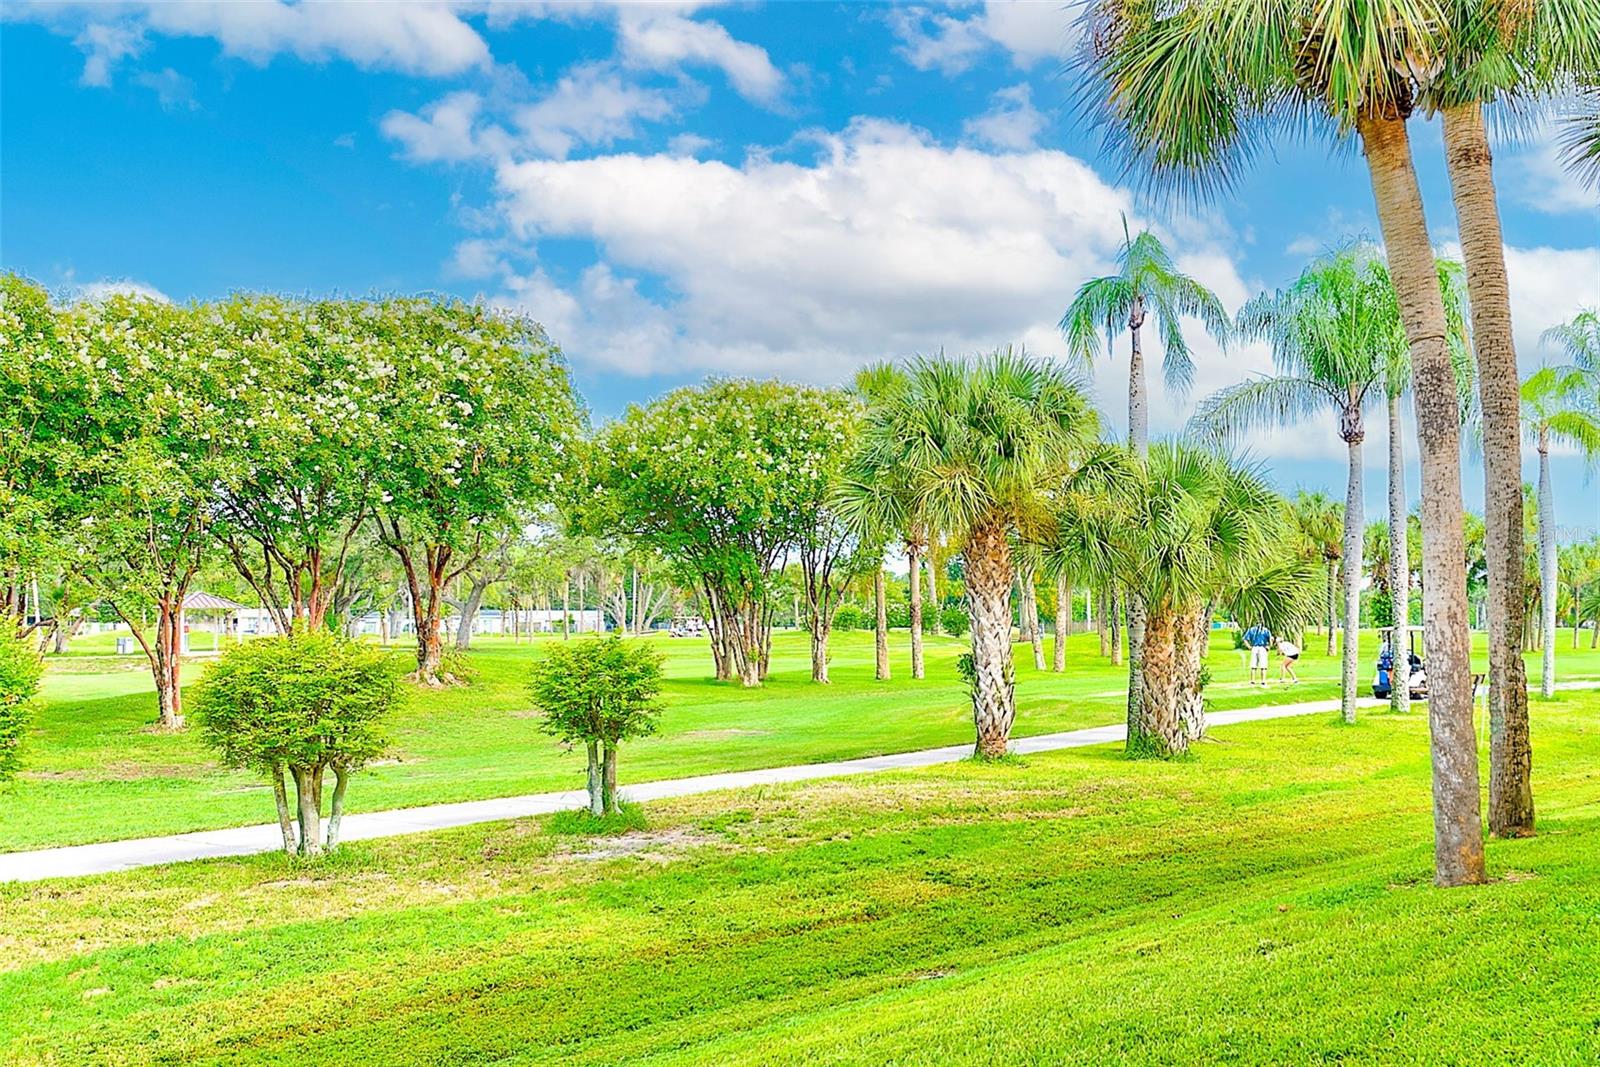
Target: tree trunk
[[1547, 571], [309, 812], [1158, 731], [935, 623], [341, 778], [1458, 832], [566, 607], [596, 784], [989, 578], [167, 664], [608, 780], [469, 614], [819, 650], [914, 556], [1063, 618], [1102, 624], [1333, 606], [281, 795], [1471, 168], [1399, 565], [1351, 555], [1190, 644], [1114, 625], [881, 625]]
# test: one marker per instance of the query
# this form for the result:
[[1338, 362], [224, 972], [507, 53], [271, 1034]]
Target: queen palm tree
[[1556, 408], [1514, 52], [1578, 340], [1331, 334], [1191, 90], [1147, 281], [974, 446]]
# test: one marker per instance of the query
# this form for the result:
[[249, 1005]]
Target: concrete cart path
[[246, 840]]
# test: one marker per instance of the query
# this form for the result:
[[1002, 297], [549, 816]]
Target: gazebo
[[223, 612]]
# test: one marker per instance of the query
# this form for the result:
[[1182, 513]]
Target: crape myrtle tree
[[300, 704], [477, 422], [307, 388], [145, 461], [42, 405], [722, 480], [599, 691], [976, 445], [1191, 91], [20, 670]]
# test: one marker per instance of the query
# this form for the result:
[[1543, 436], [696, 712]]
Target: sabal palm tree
[[1320, 521], [1579, 567], [1516, 52], [1188, 531], [1557, 407], [975, 446], [1580, 137], [1191, 91], [1332, 335]]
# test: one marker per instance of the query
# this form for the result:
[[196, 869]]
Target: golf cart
[[1413, 672]]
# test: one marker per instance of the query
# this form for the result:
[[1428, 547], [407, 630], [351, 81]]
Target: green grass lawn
[[1267, 901], [94, 770]]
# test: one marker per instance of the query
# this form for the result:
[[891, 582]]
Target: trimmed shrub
[[20, 669]]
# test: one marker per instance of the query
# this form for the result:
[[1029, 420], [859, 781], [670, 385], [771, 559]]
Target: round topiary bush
[[955, 621], [850, 617]]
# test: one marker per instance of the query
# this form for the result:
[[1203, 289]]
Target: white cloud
[[427, 37], [888, 244], [657, 37], [590, 105], [1548, 286], [1538, 179], [1029, 30], [689, 144], [171, 88], [446, 131], [1013, 122]]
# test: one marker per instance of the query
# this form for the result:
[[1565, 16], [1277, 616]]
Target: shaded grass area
[[1265, 902], [94, 770]]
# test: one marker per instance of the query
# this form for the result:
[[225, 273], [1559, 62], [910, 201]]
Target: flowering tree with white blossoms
[[723, 479], [307, 390], [140, 468], [477, 421]]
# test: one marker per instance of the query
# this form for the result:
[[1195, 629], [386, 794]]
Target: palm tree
[[974, 447], [1147, 280], [897, 512], [1579, 567], [1580, 138], [1578, 340], [1192, 90], [1556, 408], [1188, 531], [1320, 521], [1492, 51], [1331, 334]]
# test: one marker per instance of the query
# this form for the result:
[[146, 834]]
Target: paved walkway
[[246, 840]]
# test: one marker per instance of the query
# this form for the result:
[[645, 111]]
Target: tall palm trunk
[[914, 555], [1471, 169], [989, 578], [881, 626], [1028, 612], [1458, 833], [1350, 663], [1159, 730], [1399, 565], [1064, 618], [1139, 440], [1547, 571], [935, 623]]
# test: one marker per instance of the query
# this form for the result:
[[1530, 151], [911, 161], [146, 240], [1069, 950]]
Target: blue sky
[[676, 189]]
